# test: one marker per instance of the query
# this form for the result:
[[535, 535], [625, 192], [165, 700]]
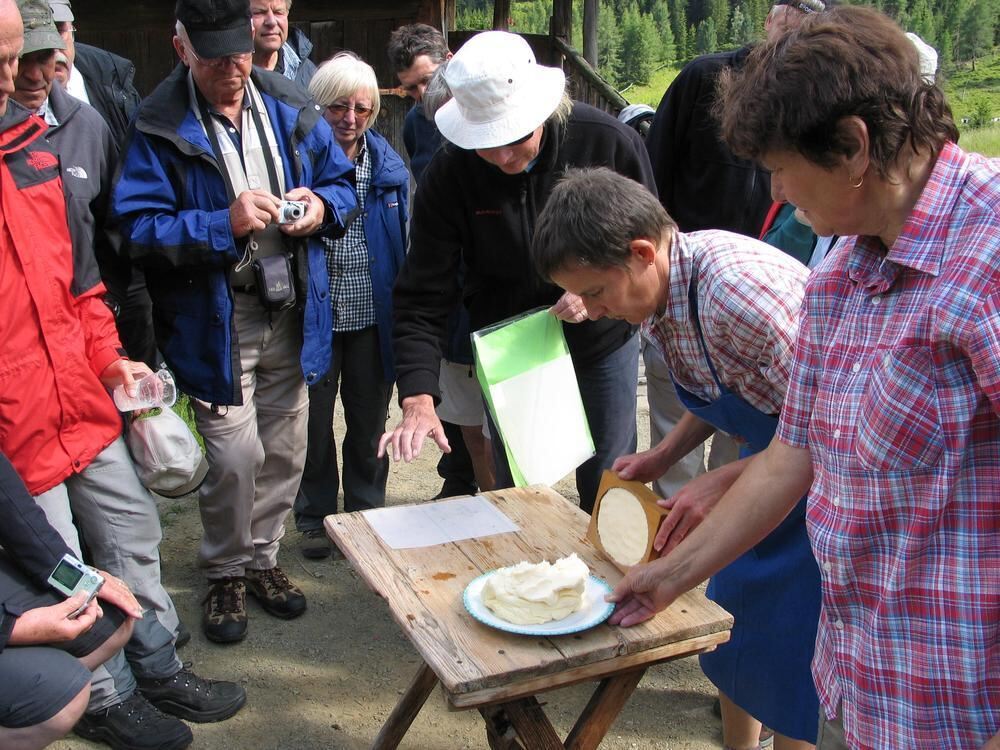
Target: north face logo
[[41, 160]]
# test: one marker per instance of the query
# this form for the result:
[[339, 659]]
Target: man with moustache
[[240, 299]]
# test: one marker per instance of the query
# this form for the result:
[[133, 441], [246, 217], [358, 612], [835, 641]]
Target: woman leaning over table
[[363, 265], [891, 415]]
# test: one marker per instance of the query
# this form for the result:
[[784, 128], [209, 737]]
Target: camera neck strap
[[241, 160]]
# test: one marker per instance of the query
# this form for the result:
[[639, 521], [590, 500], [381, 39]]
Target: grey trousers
[[255, 451], [665, 410], [117, 516]]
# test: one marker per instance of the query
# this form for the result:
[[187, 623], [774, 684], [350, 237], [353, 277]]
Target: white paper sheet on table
[[408, 526]]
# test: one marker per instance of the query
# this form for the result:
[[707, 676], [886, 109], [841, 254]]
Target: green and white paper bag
[[527, 375]]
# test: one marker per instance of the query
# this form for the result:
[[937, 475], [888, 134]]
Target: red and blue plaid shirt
[[748, 308], [895, 390]]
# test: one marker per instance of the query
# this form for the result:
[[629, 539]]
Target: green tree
[[976, 30], [661, 19], [468, 17], [638, 46], [692, 42], [981, 112], [922, 21], [679, 24], [718, 11], [757, 10], [530, 17], [608, 43], [741, 28], [706, 38]]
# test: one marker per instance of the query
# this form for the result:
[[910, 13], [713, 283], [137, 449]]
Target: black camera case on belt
[[275, 281]]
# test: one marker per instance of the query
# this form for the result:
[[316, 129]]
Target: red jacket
[[56, 333]]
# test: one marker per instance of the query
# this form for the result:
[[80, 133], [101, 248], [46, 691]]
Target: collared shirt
[[748, 307], [895, 390], [288, 62], [76, 86], [347, 261], [46, 113]]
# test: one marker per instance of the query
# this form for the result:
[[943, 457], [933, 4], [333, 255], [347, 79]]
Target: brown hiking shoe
[[276, 594], [225, 616]]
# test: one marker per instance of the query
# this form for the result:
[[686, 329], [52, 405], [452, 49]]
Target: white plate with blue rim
[[593, 612]]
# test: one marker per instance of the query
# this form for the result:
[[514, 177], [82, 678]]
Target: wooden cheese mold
[[647, 499]]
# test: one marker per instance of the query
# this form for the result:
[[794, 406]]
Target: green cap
[[39, 28]]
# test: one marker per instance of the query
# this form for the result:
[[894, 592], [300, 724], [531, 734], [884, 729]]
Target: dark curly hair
[[791, 94], [591, 217], [410, 42]]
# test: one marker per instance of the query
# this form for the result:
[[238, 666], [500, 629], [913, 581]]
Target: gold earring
[[861, 181]]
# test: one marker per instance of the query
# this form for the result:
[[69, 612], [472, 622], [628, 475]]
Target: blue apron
[[772, 591]]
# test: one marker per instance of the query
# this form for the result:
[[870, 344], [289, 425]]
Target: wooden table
[[499, 673]]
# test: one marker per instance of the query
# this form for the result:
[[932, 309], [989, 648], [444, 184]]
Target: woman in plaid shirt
[[891, 416]]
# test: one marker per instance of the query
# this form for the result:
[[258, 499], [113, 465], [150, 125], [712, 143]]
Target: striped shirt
[[895, 390], [748, 306], [347, 261]]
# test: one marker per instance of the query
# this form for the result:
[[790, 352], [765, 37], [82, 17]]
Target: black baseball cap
[[216, 28]]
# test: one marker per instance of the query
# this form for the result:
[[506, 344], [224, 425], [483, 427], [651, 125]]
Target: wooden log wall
[[141, 30]]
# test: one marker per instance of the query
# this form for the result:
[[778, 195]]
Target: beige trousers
[[255, 451]]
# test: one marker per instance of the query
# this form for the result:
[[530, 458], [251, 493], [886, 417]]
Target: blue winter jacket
[[385, 217], [171, 200]]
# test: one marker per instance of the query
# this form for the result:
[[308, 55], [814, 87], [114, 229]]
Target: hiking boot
[[194, 698], [225, 610], [315, 544], [134, 724], [276, 594]]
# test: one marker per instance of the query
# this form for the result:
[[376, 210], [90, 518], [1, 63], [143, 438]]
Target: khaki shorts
[[461, 397]]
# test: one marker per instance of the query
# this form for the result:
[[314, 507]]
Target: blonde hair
[[342, 76]]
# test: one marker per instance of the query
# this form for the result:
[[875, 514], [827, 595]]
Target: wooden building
[[141, 30]]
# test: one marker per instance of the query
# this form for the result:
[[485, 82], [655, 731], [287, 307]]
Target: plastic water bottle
[[155, 389]]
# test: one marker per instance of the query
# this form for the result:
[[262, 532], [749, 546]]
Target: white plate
[[594, 611]]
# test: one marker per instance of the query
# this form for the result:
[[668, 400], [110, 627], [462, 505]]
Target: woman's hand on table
[[419, 421], [640, 594]]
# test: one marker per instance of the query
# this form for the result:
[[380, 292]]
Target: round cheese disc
[[622, 526]]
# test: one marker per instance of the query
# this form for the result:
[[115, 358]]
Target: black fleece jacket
[[468, 210], [27, 539], [701, 183]]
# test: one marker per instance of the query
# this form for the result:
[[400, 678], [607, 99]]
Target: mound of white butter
[[533, 593]]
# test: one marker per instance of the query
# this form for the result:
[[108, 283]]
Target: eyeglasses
[[218, 63], [361, 112]]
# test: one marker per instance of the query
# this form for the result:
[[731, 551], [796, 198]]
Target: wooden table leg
[[603, 708], [519, 725], [406, 709]]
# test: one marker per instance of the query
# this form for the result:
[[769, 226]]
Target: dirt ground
[[330, 678]]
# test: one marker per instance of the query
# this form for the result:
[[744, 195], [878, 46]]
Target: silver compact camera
[[70, 576], [290, 212]]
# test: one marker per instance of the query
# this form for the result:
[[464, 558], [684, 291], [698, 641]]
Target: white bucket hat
[[167, 456], [499, 93]]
